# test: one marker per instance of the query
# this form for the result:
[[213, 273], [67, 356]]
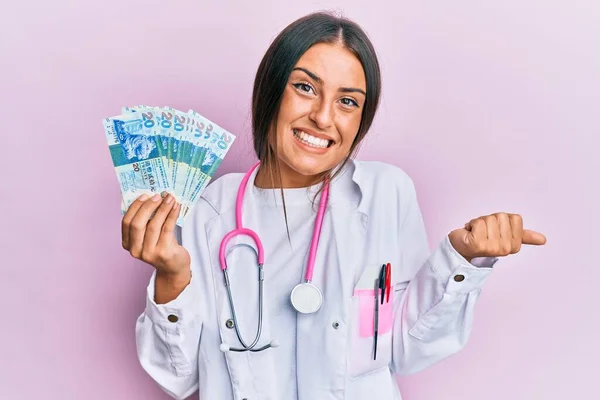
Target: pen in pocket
[[376, 316], [388, 281], [379, 290]]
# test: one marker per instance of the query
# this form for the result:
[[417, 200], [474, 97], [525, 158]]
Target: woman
[[315, 96]]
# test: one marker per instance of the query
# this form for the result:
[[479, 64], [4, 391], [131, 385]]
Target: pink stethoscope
[[306, 298]]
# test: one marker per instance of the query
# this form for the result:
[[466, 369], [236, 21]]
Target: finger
[[469, 225], [168, 228], [156, 223], [493, 229], [128, 217], [533, 237], [505, 233], [137, 227], [516, 225], [477, 237]]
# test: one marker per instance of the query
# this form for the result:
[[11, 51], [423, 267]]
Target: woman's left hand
[[494, 235]]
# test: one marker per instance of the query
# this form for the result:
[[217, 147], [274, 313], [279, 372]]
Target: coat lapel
[[250, 372], [322, 337]]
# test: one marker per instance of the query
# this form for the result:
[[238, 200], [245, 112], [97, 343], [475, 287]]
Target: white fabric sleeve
[[168, 335], [434, 309]]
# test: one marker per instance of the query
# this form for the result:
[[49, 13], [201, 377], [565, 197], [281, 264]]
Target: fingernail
[[156, 197], [143, 197], [169, 199]]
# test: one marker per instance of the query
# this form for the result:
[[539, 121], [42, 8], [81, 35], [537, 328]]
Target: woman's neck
[[289, 178]]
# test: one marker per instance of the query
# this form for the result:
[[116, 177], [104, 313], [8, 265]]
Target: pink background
[[489, 106]]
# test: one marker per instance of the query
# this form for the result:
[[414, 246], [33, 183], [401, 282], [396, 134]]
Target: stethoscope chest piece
[[306, 298]]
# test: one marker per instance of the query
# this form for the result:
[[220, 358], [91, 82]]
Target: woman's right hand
[[151, 238]]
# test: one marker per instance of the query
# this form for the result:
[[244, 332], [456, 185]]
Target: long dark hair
[[277, 65]]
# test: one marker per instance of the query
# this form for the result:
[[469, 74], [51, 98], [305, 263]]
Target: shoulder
[[375, 179], [220, 194], [373, 187], [380, 176], [387, 191], [215, 199]]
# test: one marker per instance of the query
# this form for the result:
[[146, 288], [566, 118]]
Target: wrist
[[174, 276], [457, 248], [168, 285]]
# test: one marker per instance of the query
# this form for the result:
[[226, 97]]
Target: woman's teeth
[[311, 140]]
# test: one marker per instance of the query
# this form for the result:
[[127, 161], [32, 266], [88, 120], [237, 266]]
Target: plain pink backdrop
[[489, 106]]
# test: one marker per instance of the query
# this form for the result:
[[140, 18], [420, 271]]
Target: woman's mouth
[[312, 141]]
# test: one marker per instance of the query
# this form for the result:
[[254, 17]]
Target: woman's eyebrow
[[320, 81], [312, 75], [352, 90]]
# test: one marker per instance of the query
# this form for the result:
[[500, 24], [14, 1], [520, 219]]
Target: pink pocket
[[366, 313]]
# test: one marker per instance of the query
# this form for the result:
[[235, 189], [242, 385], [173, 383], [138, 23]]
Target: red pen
[[388, 274]]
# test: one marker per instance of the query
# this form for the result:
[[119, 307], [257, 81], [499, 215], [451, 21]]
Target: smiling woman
[[318, 81], [320, 113], [354, 295]]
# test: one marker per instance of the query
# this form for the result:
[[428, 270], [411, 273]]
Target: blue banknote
[[179, 124], [150, 117], [161, 149], [135, 156], [196, 152], [217, 141]]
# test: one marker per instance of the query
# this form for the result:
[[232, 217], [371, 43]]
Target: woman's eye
[[304, 87], [349, 102]]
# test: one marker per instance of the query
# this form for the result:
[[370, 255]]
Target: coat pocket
[[361, 355]]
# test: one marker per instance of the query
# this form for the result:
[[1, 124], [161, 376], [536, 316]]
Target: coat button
[[459, 278], [335, 325], [173, 318], [229, 323]]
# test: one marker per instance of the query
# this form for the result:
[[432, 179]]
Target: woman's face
[[320, 113]]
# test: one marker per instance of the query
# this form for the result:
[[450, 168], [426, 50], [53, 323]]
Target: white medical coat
[[374, 218]]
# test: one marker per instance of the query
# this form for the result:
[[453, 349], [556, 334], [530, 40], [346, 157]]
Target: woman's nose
[[322, 114]]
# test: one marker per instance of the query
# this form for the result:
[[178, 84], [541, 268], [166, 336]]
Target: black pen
[[377, 284]]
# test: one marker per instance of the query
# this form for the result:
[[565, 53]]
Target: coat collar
[[349, 186], [347, 189]]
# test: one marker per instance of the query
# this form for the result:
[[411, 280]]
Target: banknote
[[150, 118], [157, 149], [198, 152], [181, 133], [134, 153], [218, 141]]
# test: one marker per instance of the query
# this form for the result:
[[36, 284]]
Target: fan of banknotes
[[161, 149]]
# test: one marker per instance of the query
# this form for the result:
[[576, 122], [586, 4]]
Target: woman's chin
[[308, 166]]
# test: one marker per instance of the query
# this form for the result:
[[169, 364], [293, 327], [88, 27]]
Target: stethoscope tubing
[[240, 230], [316, 234]]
